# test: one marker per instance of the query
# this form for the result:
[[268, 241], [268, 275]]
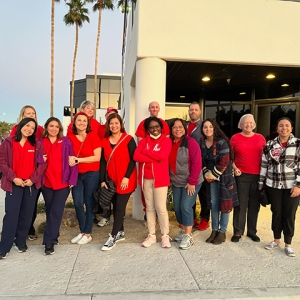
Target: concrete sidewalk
[[243, 270]]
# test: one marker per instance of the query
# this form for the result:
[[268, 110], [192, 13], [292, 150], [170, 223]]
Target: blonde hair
[[85, 103], [21, 115], [241, 121]]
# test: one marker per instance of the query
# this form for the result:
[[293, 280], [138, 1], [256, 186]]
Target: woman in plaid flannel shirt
[[280, 171]]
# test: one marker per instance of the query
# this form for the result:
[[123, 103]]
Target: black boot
[[212, 236], [220, 238]]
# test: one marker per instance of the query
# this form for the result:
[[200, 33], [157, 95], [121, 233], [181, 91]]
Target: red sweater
[[247, 152], [156, 154]]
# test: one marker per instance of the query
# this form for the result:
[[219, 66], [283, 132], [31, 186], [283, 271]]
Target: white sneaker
[[180, 236], [76, 239], [84, 240], [103, 222], [150, 240]]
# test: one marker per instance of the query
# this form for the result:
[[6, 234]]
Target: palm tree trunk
[[96, 55], [73, 72], [52, 59]]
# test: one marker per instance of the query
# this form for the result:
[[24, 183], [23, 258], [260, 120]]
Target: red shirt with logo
[[23, 159]]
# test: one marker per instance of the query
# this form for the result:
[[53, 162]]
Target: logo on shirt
[[156, 148], [30, 150]]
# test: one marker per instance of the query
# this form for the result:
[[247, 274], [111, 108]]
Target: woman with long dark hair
[[219, 180], [29, 111], [22, 165], [280, 172], [59, 179]]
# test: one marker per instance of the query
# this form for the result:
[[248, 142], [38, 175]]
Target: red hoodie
[[156, 153]]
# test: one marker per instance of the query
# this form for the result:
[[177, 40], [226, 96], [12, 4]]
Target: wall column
[[150, 85]]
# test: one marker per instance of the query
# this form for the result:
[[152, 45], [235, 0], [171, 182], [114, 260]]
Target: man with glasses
[[194, 131]]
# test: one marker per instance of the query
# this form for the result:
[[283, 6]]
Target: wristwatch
[[76, 160]]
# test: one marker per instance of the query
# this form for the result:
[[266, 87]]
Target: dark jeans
[[284, 210], [249, 205], [204, 211], [19, 205], [119, 202], [31, 229], [83, 195], [55, 204]]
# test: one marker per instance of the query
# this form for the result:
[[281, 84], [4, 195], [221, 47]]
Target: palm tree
[[78, 14], [5, 128], [99, 6], [52, 58]]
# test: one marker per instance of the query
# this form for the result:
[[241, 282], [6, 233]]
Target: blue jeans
[[83, 195], [183, 205], [219, 220]]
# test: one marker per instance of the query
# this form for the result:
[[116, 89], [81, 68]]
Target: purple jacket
[[69, 174], [6, 165]]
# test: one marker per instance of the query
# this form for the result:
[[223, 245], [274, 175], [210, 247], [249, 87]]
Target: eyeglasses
[[154, 127], [177, 127]]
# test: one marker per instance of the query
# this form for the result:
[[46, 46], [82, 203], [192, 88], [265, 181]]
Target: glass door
[[267, 114]]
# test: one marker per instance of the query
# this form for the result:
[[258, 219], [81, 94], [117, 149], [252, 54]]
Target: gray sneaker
[[271, 245], [186, 242], [180, 236], [289, 251], [120, 236]]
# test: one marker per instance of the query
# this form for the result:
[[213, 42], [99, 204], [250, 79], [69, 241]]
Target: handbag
[[263, 198], [103, 195]]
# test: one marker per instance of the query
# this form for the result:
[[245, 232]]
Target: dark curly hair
[[218, 135], [149, 120]]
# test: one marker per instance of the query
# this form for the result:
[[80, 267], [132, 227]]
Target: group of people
[[195, 157]]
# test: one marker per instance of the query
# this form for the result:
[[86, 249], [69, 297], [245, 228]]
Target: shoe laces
[[289, 250]]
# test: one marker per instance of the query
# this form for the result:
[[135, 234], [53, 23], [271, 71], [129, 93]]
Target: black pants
[[204, 211], [249, 205], [19, 206], [284, 210], [31, 229], [55, 204], [119, 202]]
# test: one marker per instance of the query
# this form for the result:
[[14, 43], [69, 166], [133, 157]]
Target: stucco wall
[[236, 31]]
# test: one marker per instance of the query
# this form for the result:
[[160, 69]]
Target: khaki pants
[[156, 204]]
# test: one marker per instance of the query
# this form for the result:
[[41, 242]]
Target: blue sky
[[25, 29]]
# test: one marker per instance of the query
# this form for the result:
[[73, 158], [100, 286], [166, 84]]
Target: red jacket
[[6, 164], [156, 153]]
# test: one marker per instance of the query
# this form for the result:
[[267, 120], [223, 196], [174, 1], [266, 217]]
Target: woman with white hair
[[247, 147]]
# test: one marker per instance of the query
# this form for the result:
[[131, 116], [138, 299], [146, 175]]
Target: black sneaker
[[2, 255], [21, 248], [49, 249]]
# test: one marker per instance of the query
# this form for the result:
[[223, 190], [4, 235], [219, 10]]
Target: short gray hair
[[241, 121], [85, 103]]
